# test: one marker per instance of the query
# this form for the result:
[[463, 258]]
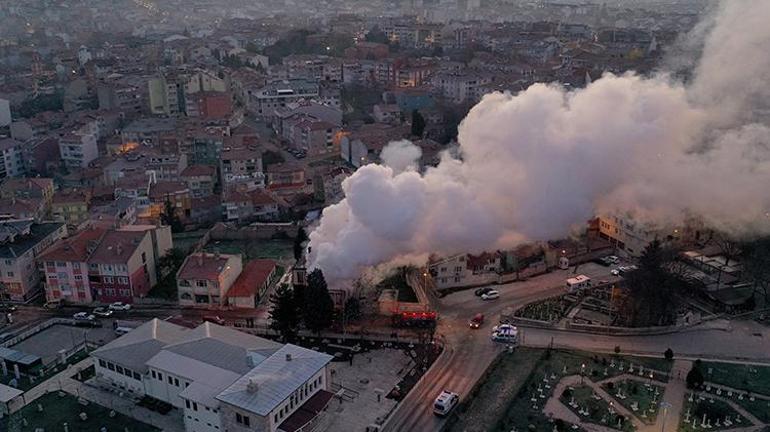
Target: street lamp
[[582, 372]]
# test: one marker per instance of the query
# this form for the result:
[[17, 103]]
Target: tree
[[318, 307], [352, 309], [650, 300], [376, 35], [669, 354], [298, 243], [695, 376], [284, 313], [168, 265], [418, 124], [170, 217], [757, 265]]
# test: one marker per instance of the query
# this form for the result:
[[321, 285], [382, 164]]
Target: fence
[[34, 330], [396, 336]]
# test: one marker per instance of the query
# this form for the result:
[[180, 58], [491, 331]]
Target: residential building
[[210, 105], [200, 180], [204, 279], [78, 148], [11, 158], [5, 112], [287, 178], [248, 206], [629, 236], [164, 166], [148, 131], [122, 267], [21, 242], [461, 87], [65, 266], [220, 378], [28, 188], [71, 206], [175, 192], [364, 145], [390, 113], [239, 165], [252, 284], [278, 94]]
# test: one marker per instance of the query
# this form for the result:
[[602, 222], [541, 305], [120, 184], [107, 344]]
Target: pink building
[[122, 267], [66, 269]]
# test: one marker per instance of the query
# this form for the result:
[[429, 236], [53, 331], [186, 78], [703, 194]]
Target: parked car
[[612, 259], [83, 316], [53, 304], [476, 321], [118, 306], [6, 307], [505, 333], [445, 402], [481, 291], [102, 312], [490, 295], [214, 319]]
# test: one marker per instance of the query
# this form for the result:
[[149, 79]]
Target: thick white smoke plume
[[539, 162]]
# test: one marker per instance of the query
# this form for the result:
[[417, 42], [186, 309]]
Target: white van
[[578, 283], [445, 402]]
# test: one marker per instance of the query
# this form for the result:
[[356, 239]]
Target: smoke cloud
[[535, 164]]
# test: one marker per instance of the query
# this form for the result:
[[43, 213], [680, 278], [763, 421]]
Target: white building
[[79, 147], [279, 93], [461, 87], [631, 236], [220, 378], [11, 158]]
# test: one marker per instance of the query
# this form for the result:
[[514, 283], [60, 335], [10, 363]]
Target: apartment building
[[21, 242], [204, 279]]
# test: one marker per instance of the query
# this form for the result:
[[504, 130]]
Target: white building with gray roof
[[220, 378]]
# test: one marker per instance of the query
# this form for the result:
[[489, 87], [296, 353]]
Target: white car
[[445, 402], [615, 272], [491, 295], [83, 316], [505, 333], [118, 306], [612, 259]]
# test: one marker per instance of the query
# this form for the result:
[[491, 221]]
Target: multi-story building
[[165, 166], [122, 267], [65, 266], [220, 378], [175, 192], [278, 94], [71, 206], [21, 242], [631, 237], [200, 180], [460, 87], [78, 148], [247, 206], [11, 158], [204, 279], [28, 188], [239, 164]]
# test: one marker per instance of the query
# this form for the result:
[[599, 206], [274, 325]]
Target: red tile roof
[[199, 170], [203, 266], [75, 248], [117, 247], [253, 276]]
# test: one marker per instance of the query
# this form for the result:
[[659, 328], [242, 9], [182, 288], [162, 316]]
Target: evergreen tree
[[695, 376], [352, 309], [284, 313], [298, 243], [318, 307], [170, 217], [418, 124]]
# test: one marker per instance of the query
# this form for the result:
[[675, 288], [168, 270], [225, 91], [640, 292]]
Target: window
[[119, 369], [201, 283], [195, 406], [110, 366], [160, 376], [144, 257], [246, 421], [170, 380], [137, 376], [176, 382], [102, 363], [108, 279], [187, 403], [153, 373], [122, 280], [78, 278], [10, 274], [238, 418], [61, 264], [76, 266]]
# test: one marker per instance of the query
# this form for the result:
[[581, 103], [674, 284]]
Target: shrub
[[617, 349], [669, 354]]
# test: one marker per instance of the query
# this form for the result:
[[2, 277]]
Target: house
[[364, 145], [23, 208], [218, 377], [200, 180], [79, 147], [28, 188], [21, 241], [122, 267], [252, 284], [287, 179], [387, 113], [122, 211], [174, 192], [247, 206], [71, 206], [65, 266], [204, 279], [241, 166], [205, 210]]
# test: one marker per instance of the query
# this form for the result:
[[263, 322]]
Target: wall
[[200, 418], [262, 231], [162, 389], [118, 380]]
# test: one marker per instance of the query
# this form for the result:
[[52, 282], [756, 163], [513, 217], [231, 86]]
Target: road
[[469, 352]]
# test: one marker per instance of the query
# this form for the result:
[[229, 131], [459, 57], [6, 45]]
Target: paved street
[[469, 352]]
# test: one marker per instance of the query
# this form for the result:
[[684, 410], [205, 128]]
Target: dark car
[[481, 291], [214, 319]]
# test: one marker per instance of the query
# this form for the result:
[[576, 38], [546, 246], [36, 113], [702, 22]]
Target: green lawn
[[753, 378], [254, 249], [598, 408], [641, 393], [481, 412], [714, 411], [58, 410], [759, 408]]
